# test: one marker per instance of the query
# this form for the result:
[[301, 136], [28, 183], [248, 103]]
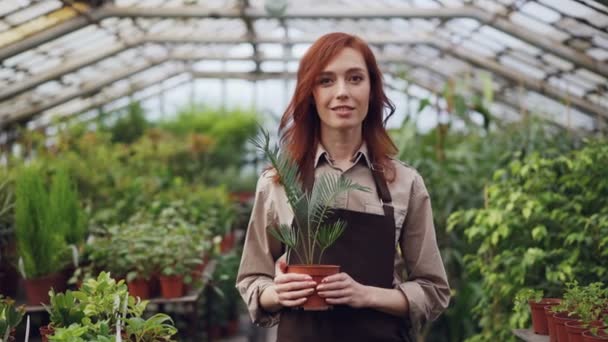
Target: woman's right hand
[[292, 289]]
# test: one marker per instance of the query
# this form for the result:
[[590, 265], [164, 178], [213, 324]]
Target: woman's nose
[[342, 90]]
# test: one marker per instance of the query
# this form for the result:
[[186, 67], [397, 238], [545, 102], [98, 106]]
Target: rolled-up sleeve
[[426, 287], [256, 271]]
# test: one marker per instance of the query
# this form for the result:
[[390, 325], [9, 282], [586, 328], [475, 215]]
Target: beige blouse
[[425, 286]]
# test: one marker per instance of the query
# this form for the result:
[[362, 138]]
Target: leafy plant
[[225, 297], [523, 296], [156, 328], [590, 302], [66, 214], [544, 223], [41, 246], [310, 209], [97, 310], [64, 309], [10, 316]]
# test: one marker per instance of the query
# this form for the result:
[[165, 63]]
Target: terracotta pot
[[560, 320], [227, 242], [550, 323], [46, 331], [317, 272], [539, 320], [575, 329], [139, 288], [601, 336], [171, 286], [37, 290]]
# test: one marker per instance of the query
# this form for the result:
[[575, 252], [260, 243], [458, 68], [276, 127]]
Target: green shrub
[[545, 223]]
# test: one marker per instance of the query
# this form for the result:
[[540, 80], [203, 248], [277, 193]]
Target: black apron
[[365, 251]]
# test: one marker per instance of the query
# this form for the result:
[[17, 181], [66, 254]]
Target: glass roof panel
[[537, 26], [540, 12], [454, 46], [32, 11]]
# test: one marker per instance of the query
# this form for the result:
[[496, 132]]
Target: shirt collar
[[362, 152]]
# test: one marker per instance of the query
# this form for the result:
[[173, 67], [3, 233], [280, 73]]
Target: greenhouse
[[136, 144]]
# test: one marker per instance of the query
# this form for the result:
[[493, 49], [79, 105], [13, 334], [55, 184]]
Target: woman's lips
[[343, 110]]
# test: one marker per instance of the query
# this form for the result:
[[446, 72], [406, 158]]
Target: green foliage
[[130, 126], [64, 309], [521, 301], [7, 212], [310, 210], [586, 302], [225, 297], [457, 173], [7, 200], [544, 223], [96, 310], [66, 213], [40, 244], [157, 328], [10, 316]]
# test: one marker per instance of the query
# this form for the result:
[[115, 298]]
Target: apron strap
[[382, 189]]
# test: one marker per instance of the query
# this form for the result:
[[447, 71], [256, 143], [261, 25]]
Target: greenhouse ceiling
[[66, 57]]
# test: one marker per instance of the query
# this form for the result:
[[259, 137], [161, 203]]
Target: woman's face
[[342, 91]]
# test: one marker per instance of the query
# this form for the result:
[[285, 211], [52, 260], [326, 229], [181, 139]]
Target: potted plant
[[565, 310], [42, 248], [64, 310], [178, 258], [10, 317], [224, 299], [156, 328], [103, 309], [533, 299], [597, 334], [589, 310], [309, 236]]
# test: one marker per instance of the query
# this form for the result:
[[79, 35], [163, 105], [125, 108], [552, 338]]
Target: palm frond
[[325, 192], [328, 234], [285, 234], [284, 166]]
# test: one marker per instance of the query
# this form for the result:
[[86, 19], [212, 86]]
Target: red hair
[[299, 129]]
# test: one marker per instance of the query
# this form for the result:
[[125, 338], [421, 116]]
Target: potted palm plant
[[309, 236]]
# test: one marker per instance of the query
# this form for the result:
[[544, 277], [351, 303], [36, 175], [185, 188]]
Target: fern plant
[[311, 209]]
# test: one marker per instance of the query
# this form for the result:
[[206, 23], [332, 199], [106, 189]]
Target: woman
[[334, 124]]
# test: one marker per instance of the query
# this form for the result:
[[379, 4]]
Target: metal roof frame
[[249, 14]]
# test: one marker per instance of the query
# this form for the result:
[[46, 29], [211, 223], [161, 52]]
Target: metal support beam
[[84, 91], [513, 76], [467, 11], [517, 78], [117, 48]]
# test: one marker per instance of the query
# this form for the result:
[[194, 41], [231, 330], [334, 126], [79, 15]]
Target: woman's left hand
[[342, 289]]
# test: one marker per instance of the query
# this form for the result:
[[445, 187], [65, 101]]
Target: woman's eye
[[324, 81], [356, 78]]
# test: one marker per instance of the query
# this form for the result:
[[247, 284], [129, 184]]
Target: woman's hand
[[292, 289], [342, 289]]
